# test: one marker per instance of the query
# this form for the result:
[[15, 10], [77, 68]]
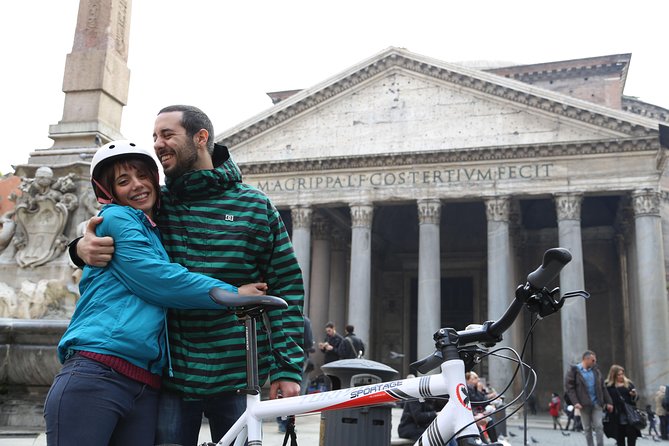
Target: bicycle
[[455, 352]]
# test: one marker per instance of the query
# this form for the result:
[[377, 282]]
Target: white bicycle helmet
[[111, 152]]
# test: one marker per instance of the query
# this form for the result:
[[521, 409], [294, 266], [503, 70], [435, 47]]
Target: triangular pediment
[[398, 102]]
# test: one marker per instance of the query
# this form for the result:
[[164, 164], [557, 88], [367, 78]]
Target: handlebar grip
[[554, 260]]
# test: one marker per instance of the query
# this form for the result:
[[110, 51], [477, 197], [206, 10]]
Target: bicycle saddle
[[244, 302]]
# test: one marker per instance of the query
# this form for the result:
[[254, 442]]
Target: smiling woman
[[123, 173], [115, 348]]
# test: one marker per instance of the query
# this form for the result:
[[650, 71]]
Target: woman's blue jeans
[[90, 403]]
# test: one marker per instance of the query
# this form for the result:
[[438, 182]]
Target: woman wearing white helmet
[[115, 349]]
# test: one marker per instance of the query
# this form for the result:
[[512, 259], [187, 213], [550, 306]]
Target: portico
[[442, 186]]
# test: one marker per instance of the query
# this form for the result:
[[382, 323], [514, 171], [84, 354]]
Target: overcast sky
[[224, 56]]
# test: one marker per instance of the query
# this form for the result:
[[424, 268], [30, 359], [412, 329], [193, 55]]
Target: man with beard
[[214, 224], [584, 384]]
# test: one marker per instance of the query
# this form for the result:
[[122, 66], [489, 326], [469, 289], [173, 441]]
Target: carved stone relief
[[41, 214]]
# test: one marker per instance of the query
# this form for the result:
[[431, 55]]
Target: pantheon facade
[[420, 193]]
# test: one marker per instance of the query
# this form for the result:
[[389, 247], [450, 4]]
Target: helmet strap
[[102, 200]]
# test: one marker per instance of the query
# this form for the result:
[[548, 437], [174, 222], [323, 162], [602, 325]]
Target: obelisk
[[95, 84]]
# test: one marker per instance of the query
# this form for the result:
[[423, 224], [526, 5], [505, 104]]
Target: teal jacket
[[122, 308]]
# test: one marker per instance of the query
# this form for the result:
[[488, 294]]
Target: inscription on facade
[[408, 178]]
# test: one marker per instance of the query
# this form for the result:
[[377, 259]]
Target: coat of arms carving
[[41, 215]]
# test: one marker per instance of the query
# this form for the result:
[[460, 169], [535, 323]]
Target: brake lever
[[578, 293], [545, 303]]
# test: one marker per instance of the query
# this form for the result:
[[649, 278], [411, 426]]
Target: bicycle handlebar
[[554, 260], [491, 331]]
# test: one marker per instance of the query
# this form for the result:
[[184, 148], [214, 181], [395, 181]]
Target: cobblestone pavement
[[539, 433]]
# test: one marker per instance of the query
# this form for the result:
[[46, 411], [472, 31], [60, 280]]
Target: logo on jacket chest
[[229, 217]]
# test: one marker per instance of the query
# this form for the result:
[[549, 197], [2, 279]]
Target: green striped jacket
[[214, 224]]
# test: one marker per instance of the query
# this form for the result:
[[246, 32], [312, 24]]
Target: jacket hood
[[198, 184]]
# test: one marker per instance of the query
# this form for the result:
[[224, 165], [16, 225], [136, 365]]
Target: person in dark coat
[[480, 398], [417, 416], [622, 391], [652, 423], [330, 346], [352, 346]]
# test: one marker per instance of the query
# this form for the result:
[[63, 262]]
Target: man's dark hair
[[194, 120], [349, 328], [587, 354], [330, 325]]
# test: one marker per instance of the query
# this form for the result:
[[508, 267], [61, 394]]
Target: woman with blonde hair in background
[[622, 391]]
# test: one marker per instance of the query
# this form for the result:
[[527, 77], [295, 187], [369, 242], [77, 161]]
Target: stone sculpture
[[41, 215]]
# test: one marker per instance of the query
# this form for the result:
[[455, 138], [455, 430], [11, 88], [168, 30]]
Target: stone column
[[337, 302], [360, 299], [624, 246], [429, 276], [652, 288], [320, 275], [573, 315], [301, 238], [517, 244], [500, 289]]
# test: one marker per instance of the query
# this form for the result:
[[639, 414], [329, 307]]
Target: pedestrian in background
[[661, 411], [353, 347], [569, 411], [554, 409], [330, 345], [480, 398], [652, 423], [622, 392], [585, 387]]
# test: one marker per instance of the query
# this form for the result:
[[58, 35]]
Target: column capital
[[429, 211], [361, 214], [646, 202], [498, 208], [568, 205], [301, 216]]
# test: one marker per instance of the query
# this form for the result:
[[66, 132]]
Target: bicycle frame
[[455, 420], [454, 417]]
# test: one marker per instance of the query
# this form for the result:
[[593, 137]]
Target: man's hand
[[578, 406], [288, 389], [94, 250], [253, 289], [609, 408]]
